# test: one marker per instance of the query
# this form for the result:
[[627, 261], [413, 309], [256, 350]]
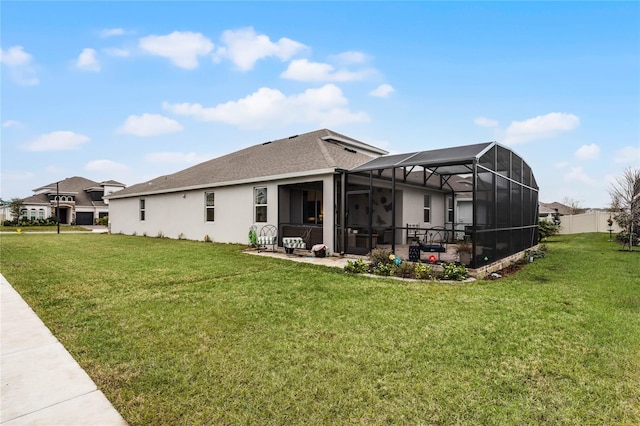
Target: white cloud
[[325, 106], [116, 51], [382, 91], [244, 48], [110, 32], [303, 70], [542, 126], [351, 57], [627, 155], [576, 174], [176, 157], [87, 61], [181, 48], [11, 123], [62, 140], [588, 152], [149, 125], [15, 56], [20, 64], [485, 122], [104, 166]]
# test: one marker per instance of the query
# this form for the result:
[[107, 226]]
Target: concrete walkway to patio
[[41, 383]]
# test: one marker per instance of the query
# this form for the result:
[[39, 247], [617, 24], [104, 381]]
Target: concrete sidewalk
[[41, 383]]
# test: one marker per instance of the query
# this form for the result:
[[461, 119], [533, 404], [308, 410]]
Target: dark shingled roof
[[75, 186], [318, 150]]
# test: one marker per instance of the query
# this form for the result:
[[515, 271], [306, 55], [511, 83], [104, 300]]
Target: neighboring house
[[79, 200], [341, 192], [553, 212]]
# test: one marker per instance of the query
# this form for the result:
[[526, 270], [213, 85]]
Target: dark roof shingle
[[318, 150], [76, 186]]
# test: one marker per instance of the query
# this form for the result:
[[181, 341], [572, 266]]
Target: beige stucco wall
[[182, 214], [413, 208]]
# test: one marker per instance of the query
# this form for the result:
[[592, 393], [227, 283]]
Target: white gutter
[[221, 184]]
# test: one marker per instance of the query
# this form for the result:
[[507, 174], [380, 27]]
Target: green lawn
[[183, 332], [47, 228]]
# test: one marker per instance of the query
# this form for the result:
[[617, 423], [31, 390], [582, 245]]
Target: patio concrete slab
[[306, 257], [41, 383]]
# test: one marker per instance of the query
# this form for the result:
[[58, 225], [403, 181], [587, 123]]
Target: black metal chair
[[435, 240]]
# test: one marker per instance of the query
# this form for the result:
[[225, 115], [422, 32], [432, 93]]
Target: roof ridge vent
[[267, 143], [350, 150], [293, 137]]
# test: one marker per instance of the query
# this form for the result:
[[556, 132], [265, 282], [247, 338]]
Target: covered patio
[[482, 194]]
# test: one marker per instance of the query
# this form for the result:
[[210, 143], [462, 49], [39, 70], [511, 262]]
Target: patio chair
[[435, 240], [268, 237], [413, 232]]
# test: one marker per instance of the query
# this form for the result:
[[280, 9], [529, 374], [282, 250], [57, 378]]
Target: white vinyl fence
[[587, 222]]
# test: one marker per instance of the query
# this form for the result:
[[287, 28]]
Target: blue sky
[[133, 90]]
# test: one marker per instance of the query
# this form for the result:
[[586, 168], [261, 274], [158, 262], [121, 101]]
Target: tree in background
[[15, 207], [575, 206], [625, 202]]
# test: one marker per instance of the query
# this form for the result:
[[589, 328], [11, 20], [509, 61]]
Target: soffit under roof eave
[[117, 195]]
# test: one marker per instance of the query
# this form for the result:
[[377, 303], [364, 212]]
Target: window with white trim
[[210, 203], [260, 204], [427, 208], [41, 214], [450, 215], [143, 209]]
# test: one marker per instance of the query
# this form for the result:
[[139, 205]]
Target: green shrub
[[380, 256], [534, 254], [547, 229], [253, 238], [623, 238], [454, 272], [405, 270], [104, 221], [356, 267], [384, 269], [422, 271]]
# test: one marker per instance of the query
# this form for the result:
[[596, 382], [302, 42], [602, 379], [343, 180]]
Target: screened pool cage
[[499, 185]]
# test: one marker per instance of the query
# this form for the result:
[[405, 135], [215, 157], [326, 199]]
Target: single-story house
[[341, 192], [80, 201]]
